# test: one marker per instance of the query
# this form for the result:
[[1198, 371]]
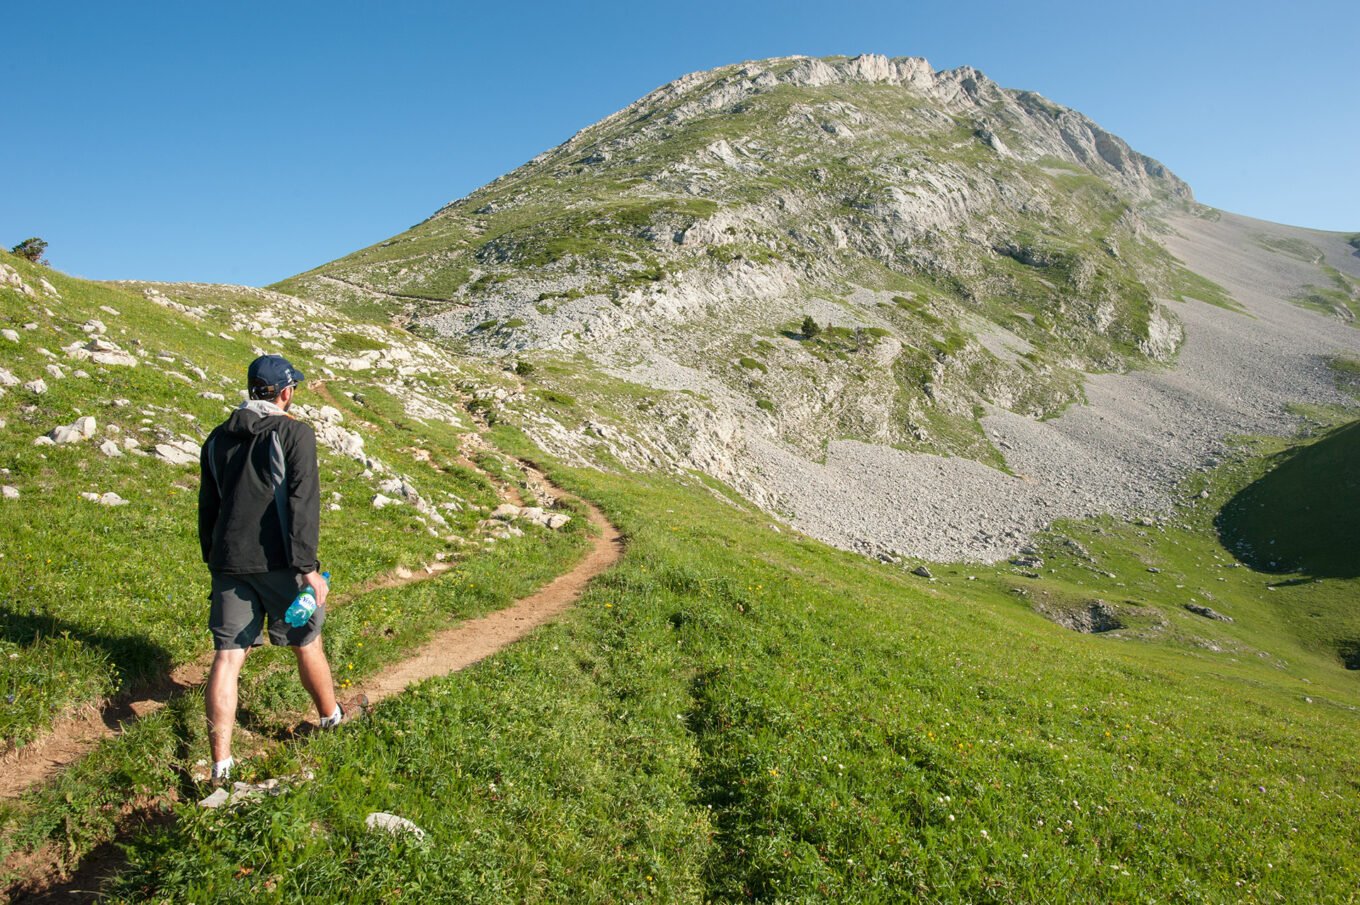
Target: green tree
[[33, 249], [810, 327]]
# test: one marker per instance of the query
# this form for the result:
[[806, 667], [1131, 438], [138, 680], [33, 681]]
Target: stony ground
[[1126, 450]]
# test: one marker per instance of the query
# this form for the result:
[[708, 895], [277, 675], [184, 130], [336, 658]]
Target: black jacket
[[259, 495]]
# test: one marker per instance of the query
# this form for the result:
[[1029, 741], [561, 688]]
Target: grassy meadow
[[733, 713]]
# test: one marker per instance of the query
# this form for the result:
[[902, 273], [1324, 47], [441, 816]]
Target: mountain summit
[[798, 252]]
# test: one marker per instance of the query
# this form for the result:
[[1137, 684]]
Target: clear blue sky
[[245, 142]]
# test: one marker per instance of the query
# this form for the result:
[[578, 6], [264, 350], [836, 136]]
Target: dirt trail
[[40, 875], [74, 736], [467, 643]]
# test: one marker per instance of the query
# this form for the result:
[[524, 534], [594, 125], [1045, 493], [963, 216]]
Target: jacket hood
[[254, 416]]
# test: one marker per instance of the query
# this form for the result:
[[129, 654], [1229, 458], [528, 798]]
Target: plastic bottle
[[303, 605]]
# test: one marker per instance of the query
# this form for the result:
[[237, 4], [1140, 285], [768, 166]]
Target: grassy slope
[[732, 713], [737, 714], [95, 600]]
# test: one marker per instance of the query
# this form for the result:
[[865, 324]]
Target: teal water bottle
[[303, 605]]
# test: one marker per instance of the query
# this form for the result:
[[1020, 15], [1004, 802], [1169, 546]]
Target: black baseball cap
[[270, 374]]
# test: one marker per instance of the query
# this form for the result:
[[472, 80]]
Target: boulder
[[82, 429], [55, 372], [7, 379], [110, 449], [505, 512], [922, 571], [557, 520], [104, 352], [382, 502], [1200, 609], [9, 492], [38, 386], [11, 335]]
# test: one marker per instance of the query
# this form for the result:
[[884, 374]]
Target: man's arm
[[209, 500]]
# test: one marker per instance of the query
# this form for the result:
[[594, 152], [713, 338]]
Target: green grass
[[733, 714]]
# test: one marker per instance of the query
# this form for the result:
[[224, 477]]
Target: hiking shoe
[[335, 719]]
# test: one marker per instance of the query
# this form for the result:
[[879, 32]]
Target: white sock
[[334, 718], [222, 769]]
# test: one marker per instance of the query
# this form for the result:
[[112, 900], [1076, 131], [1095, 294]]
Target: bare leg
[[315, 672], [220, 700]]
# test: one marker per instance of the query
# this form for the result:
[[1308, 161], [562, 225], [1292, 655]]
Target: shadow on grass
[[1304, 514], [133, 657]]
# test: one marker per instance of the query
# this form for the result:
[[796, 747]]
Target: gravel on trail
[[1125, 451]]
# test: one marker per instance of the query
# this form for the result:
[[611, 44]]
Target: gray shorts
[[241, 605]]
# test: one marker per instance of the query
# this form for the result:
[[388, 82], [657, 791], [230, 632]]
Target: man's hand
[[318, 585]]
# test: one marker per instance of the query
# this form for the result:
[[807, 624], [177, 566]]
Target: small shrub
[[523, 368], [752, 364], [810, 327], [32, 249], [765, 405]]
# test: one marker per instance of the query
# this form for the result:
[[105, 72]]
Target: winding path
[[72, 737]]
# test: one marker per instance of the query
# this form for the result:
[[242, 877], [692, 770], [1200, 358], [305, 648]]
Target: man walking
[[259, 511]]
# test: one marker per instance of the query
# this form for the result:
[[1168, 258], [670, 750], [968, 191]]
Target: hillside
[[980, 260], [1154, 699]]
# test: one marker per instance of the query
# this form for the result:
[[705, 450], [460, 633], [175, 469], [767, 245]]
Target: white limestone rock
[[177, 452], [9, 492], [37, 386], [380, 821]]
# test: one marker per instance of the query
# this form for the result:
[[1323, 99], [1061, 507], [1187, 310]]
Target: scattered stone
[[1200, 609], [1027, 562], [9, 492], [104, 499], [178, 452], [557, 520], [210, 395], [216, 799], [44, 440], [82, 429], [922, 571], [1154, 570], [505, 512], [107, 310], [11, 335], [94, 326], [38, 386], [391, 823], [110, 449], [7, 379], [48, 287], [104, 352], [382, 502], [55, 372]]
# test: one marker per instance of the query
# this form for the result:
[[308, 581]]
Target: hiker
[[259, 509]]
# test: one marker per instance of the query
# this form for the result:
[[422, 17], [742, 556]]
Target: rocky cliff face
[[961, 246]]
